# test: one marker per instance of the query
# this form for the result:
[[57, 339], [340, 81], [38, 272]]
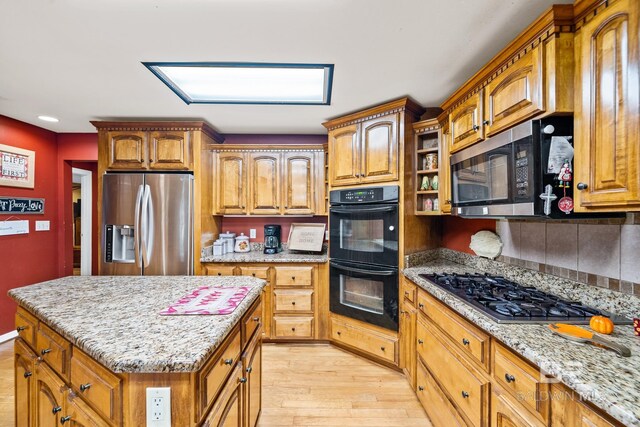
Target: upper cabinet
[[367, 147], [533, 75], [169, 150], [607, 114], [280, 180]]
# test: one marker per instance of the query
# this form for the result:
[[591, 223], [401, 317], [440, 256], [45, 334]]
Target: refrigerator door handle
[[144, 225], [136, 229], [150, 228]]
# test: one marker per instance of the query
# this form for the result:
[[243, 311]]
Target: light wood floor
[[304, 385]]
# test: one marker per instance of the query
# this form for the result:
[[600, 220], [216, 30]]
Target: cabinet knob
[[382, 348], [420, 341], [448, 201], [20, 328], [406, 293], [84, 387], [582, 186], [27, 374], [249, 369], [510, 378], [253, 274], [293, 303], [420, 388], [228, 361], [293, 329], [219, 274], [56, 409], [465, 341], [339, 333], [293, 277], [242, 380], [256, 319], [465, 395], [486, 122], [476, 127], [45, 351], [420, 305], [65, 419]]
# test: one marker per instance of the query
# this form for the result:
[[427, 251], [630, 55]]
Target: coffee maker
[[272, 239]]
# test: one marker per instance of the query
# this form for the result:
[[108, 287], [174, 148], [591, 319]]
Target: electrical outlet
[[158, 406], [252, 233], [42, 225], [326, 235]]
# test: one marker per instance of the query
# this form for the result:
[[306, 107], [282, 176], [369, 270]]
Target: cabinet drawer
[[293, 327], [26, 325], [408, 292], [213, 376], [54, 350], [467, 388], [471, 340], [293, 300], [101, 388], [251, 321], [522, 380], [294, 276], [80, 413], [440, 410], [259, 272], [384, 347], [219, 270]]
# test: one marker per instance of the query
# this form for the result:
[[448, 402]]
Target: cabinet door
[[227, 409], [434, 401], [607, 112], [169, 150], [444, 174], [24, 380], [252, 364], [344, 156], [299, 182], [507, 412], [264, 183], [262, 273], [49, 395], [379, 149], [231, 185], [465, 123], [127, 150], [407, 339], [514, 95], [79, 414]]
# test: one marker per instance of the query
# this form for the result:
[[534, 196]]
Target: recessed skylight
[[48, 119], [246, 83]]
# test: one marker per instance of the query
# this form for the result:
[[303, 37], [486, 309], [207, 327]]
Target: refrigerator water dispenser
[[120, 243]]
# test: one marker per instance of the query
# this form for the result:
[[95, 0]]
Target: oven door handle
[[365, 210], [363, 271]]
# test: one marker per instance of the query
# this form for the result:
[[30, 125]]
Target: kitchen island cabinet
[[106, 343]]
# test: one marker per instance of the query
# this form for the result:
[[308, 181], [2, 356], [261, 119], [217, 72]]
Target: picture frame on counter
[[17, 167], [307, 237]]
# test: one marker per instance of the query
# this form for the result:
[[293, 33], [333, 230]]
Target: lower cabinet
[[227, 410], [48, 397], [252, 365], [506, 412], [441, 410], [24, 380], [79, 414], [374, 341]]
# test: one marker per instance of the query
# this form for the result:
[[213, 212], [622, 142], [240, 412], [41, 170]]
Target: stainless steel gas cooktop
[[508, 302]]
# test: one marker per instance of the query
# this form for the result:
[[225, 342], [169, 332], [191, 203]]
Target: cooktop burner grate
[[506, 301]]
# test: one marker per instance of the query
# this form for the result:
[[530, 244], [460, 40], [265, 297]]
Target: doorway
[[82, 185]]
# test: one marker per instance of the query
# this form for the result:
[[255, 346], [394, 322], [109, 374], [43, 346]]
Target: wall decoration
[[17, 167], [19, 205], [306, 237]]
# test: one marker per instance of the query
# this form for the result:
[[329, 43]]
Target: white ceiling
[[80, 60]]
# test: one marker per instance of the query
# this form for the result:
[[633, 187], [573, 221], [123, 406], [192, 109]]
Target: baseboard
[[8, 336]]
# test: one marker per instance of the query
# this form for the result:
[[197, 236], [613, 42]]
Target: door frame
[[84, 178]]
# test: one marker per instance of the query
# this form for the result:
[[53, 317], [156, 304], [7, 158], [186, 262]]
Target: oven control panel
[[365, 195]]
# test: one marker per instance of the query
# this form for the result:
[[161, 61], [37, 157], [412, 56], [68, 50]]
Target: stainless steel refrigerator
[[147, 224]]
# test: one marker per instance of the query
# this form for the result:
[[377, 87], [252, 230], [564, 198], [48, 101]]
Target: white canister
[[242, 243], [218, 248], [229, 239]]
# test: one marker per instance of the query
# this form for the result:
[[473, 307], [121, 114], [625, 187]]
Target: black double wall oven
[[363, 227]]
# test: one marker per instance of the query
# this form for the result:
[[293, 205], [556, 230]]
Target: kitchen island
[[90, 347]]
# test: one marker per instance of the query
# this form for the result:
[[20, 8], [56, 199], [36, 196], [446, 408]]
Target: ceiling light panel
[[247, 83]]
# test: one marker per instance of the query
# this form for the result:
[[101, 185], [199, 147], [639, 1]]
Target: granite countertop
[[115, 319], [259, 256], [609, 381]]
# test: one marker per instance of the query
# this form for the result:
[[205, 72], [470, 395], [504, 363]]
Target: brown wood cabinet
[[607, 113], [227, 410], [79, 414], [126, 150], [376, 342], [24, 379], [567, 410], [252, 365], [344, 156], [49, 397], [407, 330], [465, 123], [445, 170], [280, 180], [169, 150], [506, 412]]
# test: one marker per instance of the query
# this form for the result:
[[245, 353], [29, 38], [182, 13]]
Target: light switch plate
[[252, 233], [158, 406], [43, 225]]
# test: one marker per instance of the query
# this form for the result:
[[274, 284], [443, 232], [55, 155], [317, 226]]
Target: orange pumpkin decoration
[[601, 324]]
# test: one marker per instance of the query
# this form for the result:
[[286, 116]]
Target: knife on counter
[[578, 334]]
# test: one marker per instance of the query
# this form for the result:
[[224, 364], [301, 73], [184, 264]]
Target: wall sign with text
[[17, 167], [19, 205]]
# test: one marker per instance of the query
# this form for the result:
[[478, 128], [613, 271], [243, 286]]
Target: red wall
[[29, 258], [457, 232]]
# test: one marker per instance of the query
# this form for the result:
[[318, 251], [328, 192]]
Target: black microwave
[[522, 172]]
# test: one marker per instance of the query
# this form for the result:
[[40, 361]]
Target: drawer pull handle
[[21, 328], [293, 303], [249, 369], [465, 395], [582, 186], [510, 378], [420, 341], [420, 305], [27, 374], [242, 380], [228, 361], [253, 274], [420, 388], [465, 341], [293, 329], [45, 351], [339, 333], [65, 419], [219, 274], [293, 277], [84, 387], [256, 319], [406, 292], [382, 348], [56, 409]]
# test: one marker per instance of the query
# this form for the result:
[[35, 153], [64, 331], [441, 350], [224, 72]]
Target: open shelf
[[427, 150], [427, 192], [426, 171]]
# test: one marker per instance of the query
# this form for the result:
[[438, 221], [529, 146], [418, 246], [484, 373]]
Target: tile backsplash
[[601, 253]]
